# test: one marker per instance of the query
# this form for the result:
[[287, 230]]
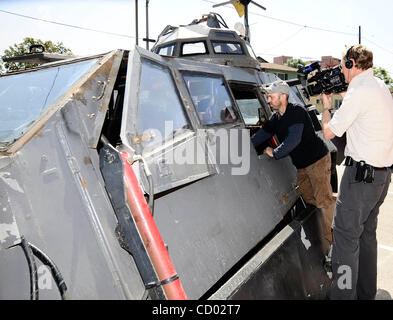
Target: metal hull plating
[[54, 194]]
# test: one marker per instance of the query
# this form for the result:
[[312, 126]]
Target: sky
[[306, 29]]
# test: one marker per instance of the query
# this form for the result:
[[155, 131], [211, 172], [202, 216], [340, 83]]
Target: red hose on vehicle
[[150, 235]]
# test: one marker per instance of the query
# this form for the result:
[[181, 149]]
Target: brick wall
[[281, 60], [329, 61]]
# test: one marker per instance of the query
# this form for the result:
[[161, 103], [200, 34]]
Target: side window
[[160, 111], [193, 48], [221, 47], [282, 76], [295, 96], [251, 51], [168, 50], [225, 35], [211, 99], [248, 103]]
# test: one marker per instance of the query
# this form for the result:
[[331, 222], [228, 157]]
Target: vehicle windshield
[[25, 96]]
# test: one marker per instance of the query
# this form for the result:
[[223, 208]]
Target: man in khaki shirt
[[366, 115]]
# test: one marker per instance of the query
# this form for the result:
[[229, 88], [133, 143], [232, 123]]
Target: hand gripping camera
[[325, 81]]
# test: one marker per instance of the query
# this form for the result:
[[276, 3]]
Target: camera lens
[[314, 90]]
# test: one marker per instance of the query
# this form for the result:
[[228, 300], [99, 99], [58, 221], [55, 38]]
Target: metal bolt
[[109, 157]]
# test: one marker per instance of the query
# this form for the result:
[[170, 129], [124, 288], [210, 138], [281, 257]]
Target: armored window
[[24, 97], [249, 109], [227, 35], [282, 76], [247, 99], [155, 123], [251, 51], [168, 50], [211, 99], [221, 47], [160, 111], [192, 48], [295, 97]]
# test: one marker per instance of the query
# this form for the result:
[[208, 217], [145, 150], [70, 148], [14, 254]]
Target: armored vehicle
[[131, 175]]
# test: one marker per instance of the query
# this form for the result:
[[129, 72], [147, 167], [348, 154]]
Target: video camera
[[326, 81]]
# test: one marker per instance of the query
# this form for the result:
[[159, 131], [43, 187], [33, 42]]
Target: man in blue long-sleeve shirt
[[309, 154]]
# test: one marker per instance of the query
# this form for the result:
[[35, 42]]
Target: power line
[[257, 14], [287, 39], [378, 45], [68, 25], [303, 28], [290, 22]]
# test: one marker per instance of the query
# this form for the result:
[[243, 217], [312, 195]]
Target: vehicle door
[[158, 125], [280, 174]]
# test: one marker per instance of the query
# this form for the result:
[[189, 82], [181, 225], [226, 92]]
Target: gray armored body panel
[[230, 217], [50, 183]]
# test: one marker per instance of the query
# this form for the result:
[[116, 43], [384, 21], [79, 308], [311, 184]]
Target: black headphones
[[348, 62]]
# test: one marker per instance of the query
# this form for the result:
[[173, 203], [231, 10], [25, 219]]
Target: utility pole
[[147, 24], [147, 39], [136, 21], [247, 26], [360, 34]]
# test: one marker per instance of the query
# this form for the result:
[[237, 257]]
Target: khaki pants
[[314, 184]]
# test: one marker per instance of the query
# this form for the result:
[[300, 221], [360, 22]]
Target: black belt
[[350, 162]]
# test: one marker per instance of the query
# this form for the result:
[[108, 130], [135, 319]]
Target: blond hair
[[362, 56]]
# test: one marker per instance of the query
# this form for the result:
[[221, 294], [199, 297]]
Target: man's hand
[[326, 117], [269, 152], [342, 94], [327, 100]]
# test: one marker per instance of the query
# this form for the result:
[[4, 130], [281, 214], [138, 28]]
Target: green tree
[[295, 63], [382, 74], [24, 47]]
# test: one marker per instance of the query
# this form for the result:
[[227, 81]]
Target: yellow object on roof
[[239, 8]]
